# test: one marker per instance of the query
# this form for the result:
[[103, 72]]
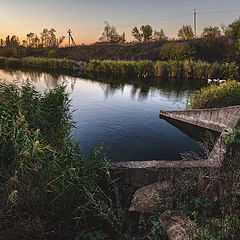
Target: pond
[[122, 113]]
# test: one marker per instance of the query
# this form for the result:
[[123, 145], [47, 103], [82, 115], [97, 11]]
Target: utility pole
[[195, 22], [70, 38]]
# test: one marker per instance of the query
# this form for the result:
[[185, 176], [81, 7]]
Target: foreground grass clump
[[226, 94], [47, 185], [42, 63]]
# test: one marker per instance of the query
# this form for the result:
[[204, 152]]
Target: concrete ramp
[[223, 120], [215, 119]]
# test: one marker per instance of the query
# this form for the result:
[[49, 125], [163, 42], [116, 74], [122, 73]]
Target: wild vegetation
[[175, 69], [169, 69], [41, 166], [43, 63], [49, 188], [223, 95], [214, 44]]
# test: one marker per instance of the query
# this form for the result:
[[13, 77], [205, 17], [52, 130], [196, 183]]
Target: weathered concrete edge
[[201, 109], [204, 124], [220, 148], [214, 160]]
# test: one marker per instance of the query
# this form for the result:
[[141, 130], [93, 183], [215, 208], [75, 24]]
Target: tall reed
[[169, 69], [44, 177]]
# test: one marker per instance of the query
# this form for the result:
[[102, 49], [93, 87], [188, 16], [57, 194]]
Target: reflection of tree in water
[[51, 80], [140, 88], [147, 87]]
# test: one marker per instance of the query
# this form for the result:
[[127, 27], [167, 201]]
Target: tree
[[30, 42], [233, 30], [159, 35], [44, 34], [48, 38], [12, 42], [110, 34], [147, 32], [185, 32], [211, 33], [144, 34], [136, 34], [36, 41], [2, 42]]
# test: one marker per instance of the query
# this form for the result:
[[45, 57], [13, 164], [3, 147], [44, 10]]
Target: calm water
[[122, 113]]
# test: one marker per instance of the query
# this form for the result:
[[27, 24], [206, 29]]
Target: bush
[[8, 52], [52, 53], [224, 95], [176, 51]]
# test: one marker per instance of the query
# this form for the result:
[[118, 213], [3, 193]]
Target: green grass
[[224, 95], [168, 69], [43, 63], [44, 176], [187, 69]]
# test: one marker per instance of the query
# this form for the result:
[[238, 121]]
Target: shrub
[[226, 94], [176, 51], [52, 53], [8, 52]]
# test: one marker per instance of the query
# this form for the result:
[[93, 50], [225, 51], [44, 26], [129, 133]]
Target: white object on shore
[[216, 80]]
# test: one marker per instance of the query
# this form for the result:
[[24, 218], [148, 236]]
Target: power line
[[202, 11], [145, 22]]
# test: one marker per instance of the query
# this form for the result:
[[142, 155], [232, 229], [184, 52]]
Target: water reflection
[[140, 88], [122, 112]]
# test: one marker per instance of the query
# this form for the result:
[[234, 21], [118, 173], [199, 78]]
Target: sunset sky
[[86, 17]]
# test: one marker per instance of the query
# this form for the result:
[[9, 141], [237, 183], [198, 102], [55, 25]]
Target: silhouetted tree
[[48, 38], [12, 42], [136, 34], [233, 30], [30, 39], [2, 42], [211, 33], [145, 34], [110, 34], [185, 32], [159, 35]]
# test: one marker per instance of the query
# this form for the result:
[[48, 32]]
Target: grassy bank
[[49, 188], [168, 69], [43, 63], [226, 94], [221, 50]]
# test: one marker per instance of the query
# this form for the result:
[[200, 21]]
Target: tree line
[[145, 33], [47, 38]]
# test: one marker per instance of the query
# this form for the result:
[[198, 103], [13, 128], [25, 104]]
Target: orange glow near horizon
[[86, 17]]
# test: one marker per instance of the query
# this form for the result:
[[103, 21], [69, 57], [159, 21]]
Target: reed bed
[[187, 69], [47, 185], [168, 69], [42, 63]]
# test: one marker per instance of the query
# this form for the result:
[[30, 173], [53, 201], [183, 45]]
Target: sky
[[86, 17]]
